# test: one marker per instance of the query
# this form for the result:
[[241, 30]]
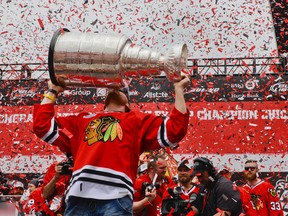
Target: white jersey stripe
[[53, 129], [111, 184], [162, 135]]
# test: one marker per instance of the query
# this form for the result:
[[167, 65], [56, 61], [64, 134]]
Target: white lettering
[[15, 118], [227, 114], [156, 95], [279, 87], [23, 93], [275, 114]]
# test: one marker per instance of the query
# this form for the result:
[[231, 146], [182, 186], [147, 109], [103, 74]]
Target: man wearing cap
[[106, 146], [185, 181], [217, 195], [142, 169], [185, 190]]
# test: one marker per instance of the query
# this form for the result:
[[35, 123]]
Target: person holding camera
[[217, 195], [56, 182], [105, 146], [154, 179], [46, 200], [150, 195]]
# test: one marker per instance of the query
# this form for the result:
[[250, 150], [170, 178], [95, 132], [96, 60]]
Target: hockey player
[[105, 147], [263, 195]]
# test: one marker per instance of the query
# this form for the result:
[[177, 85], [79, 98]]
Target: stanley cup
[[105, 60]]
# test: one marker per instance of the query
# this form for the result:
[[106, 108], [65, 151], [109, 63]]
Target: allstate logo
[[156, 86]]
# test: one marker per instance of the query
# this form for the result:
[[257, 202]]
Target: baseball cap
[[17, 184], [143, 167], [198, 168], [183, 163], [34, 182]]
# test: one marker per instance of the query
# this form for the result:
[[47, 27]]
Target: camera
[[176, 205], [67, 167], [180, 207], [149, 187]]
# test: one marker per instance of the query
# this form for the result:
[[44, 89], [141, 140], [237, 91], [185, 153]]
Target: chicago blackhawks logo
[[102, 129], [257, 202], [272, 192]]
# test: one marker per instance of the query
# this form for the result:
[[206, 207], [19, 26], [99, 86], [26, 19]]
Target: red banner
[[215, 127]]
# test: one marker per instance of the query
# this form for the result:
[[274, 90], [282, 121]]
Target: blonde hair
[[252, 161]]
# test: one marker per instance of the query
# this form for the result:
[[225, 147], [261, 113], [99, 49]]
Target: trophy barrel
[[104, 60], [86, 59]]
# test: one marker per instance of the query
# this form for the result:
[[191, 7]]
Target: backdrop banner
[[231, 119]]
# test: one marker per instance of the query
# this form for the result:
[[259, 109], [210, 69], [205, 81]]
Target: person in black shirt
[[217, 195]]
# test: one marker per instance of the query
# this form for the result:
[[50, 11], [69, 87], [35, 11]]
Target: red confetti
[[252, 48], [41, 24]]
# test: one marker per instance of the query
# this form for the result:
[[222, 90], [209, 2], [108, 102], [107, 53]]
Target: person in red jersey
[[47, 199], [186, 189], [247, 205], [105, 146], [263, 195], [155, 178]]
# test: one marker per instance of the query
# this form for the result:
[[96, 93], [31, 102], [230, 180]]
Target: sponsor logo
[[155, 86], [101, 92], [78, 92], [242, 96], [237, 86], [133, 93], [202, 89], [156, 95], [251, 84], [279, 87], [20, 93]]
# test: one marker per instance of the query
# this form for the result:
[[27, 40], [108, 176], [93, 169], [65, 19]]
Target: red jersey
[[185, 195], [154, 208], [265, 199], [61, 184], [36, 203], [105, 147], [246, 200]]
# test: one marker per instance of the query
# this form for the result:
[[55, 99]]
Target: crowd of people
[[204, 190], [200, 189], [42, 196], [104, 176]]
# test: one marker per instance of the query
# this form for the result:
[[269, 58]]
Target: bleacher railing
[[202, 67]]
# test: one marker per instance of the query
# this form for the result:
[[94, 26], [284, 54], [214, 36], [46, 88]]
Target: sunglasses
[[250, 168]]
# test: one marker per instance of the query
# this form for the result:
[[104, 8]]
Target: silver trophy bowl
[[105, 60]]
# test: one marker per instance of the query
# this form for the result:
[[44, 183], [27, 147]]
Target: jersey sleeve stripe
[[52, 134], [162, 135]]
